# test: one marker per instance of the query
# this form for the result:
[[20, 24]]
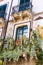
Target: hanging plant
[[1, 42], [0, 46], [22, 47], [10, 42], [40, 57], [17, 52], [34, 45]]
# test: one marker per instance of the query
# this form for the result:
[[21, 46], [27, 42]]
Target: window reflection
[[22, 31], [24, 5]]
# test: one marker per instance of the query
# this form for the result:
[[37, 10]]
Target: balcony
[[22, 7]]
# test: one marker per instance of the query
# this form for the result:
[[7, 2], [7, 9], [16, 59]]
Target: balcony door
[[2, 10], [24, 4]]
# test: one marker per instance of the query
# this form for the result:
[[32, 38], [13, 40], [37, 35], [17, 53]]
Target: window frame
[[19, 25], [3, 10], [22, 28]]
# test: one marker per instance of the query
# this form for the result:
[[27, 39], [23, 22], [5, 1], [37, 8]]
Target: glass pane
[[25, 34], [2, 10], [19, 36], [27, 0], [22, 31], [26, 5], [19, 32], [22, 6], [25, 29], [21, 1]]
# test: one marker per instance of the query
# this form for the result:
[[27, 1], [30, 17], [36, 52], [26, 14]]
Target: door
[[24, 4]]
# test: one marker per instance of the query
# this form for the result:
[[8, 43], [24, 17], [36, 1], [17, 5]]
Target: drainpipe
[[7, 17], [31, 22]]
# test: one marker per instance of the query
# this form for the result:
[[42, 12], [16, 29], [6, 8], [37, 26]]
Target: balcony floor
[[22, 62]]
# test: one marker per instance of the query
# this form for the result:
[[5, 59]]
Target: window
[[2, 10], [21, 31], [25, 6]]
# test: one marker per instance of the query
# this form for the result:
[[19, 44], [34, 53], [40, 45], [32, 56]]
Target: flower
[[17, 42]]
